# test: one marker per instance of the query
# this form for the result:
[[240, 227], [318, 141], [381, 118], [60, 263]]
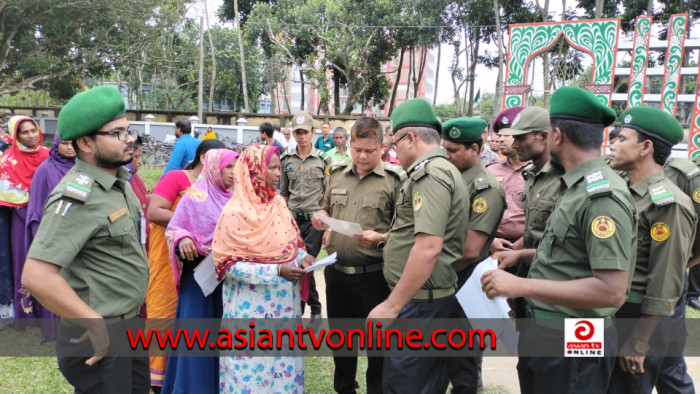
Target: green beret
[[574, 103], [415, 113], [529, 120], [463, 129], [90, 110], [653, 122]]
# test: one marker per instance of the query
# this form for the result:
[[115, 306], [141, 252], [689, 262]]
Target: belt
[[430, 294], [635, 297], [555, 320], [117, 319], [364, 269], [302, 216]]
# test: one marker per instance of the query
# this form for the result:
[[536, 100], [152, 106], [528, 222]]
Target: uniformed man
[[582, 265], [301, 185], [87, 262], [462, 140], [362, 190], [425, 240], [531, 136], [666, 229]]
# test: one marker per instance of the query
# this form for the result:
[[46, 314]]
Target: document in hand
[[341, 226], [205, 275], [322, 263]]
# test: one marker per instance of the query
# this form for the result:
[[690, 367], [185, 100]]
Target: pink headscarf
[[200, 208]]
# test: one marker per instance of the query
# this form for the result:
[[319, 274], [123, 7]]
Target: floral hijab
[[200, 208], [17, 166], [255, 224]]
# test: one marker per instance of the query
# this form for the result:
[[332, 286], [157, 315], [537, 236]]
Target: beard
[[112, 160]]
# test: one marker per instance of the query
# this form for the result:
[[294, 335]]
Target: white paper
[[341, 226], [322, 263], [477, 305], [205, 275], [474, 301]]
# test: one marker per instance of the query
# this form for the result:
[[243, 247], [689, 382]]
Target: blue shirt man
[[185, 147]]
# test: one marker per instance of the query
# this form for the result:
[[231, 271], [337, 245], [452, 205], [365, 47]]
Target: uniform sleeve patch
[[479, 205], [417, 201], [696, 195], [603, 227], [660, 232], [79, 187]]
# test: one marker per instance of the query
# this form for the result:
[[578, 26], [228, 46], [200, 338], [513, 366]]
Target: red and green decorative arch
[[597, 37]]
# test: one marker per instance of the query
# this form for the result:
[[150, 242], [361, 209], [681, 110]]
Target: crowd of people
[[575, 235]]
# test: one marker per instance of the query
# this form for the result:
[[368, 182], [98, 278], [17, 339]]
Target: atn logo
[[584, 338]]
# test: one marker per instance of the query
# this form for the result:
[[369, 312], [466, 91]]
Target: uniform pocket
[[338, 203], [372, 209], [119, 232]]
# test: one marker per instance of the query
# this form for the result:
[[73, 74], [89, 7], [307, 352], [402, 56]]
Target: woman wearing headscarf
[[258, 251], [161, 296], [17, 167], [137, 184], [190, 234], [47, 176]]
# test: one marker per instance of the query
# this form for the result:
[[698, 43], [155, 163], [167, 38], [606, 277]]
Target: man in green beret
[[531, 134], [425, 241], [666, 229], [462, 140], [582, 266], [88, 263]]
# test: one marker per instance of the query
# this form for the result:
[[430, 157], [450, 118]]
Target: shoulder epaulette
[[597, 185], [528, 171], [660, 194], [481, 183], [337, 165], [396, 170], [78, 187], [419, 170], [687, 167], [284, 154]]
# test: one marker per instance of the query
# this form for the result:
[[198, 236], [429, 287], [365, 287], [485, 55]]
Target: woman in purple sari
[[47, 176], [190, 234]]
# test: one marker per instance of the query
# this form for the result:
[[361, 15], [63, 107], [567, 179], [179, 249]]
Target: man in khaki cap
[[531, 135], [301, 185]]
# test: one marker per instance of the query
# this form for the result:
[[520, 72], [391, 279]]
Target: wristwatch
[[382, 242], [639, 346]]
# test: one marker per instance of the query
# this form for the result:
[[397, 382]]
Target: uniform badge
[[505, 120], [417, 201], [696, 195], [628, 118], [603, 227], [479, 205], [455, 133], [300, 119], [660, 232]]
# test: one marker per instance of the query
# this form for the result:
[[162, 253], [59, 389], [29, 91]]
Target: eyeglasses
[[393, 145], [122, 135]]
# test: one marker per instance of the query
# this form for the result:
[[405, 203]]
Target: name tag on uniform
[[339, 191], [143, 230], [287, 169], [114, 216]]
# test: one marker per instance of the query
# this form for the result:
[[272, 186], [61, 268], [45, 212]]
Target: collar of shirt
[[435, 152], [573, 176], [312, 152], [641, 188], [100, 176], [379, 169], [506, 161]]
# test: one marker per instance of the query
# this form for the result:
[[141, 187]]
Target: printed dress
[[255, 291]]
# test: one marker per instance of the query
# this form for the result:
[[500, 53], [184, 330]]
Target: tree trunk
[[396, 84], [200, 91], [286, 98], [213, 61], [411, 57], [242, 58], [472, 74], [650, 8], [599, 4], [421, 69], [497, 103], [545, 58], [271, 86], [301, 78], [437, 72], [336, 92]]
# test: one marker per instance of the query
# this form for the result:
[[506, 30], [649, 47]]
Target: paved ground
[[497, 371]]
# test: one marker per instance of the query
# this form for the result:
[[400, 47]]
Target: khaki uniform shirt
[[91, 228], [685, 174], [539, 198], [368, 201], [434, 201], [592, 227], [664, 241], [487, 203], [302, 180]]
